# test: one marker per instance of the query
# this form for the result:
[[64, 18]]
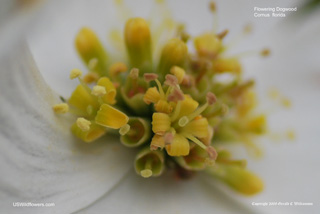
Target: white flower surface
[[40, 161]]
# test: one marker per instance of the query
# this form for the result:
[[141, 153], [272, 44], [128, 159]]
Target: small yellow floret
[[178, 72], [61, 108], [98, 91], [179, 147], [152, 95], [83, 124], [160, 123], [110, 117], [75, 73]]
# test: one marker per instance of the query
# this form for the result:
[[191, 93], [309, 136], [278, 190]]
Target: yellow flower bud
[[208, 45], [175, 52], [222, 65], [138, 42], [90, 49]]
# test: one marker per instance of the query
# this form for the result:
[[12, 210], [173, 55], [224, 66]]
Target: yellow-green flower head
[[172, 105]]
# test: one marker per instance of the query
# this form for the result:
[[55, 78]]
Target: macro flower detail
[[172, 105]]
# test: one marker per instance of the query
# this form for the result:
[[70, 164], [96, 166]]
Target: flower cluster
[[175, 108]]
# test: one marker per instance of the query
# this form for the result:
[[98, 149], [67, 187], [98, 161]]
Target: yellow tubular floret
[[179, 146], [81, 99], [197, 127], [110, 96], [178, 72], [152, 95], [90, 48], [226, 65], [90, 135], [110, 117], [160, 123]]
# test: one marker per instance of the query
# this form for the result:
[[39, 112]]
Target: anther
[[148, 77], [222, 34], [75, 73], [98, 91], [171, 80], [211, 98], [176, 95], [212, 153], [83, 124], [134, 73], [265, 52], [168, 138], [61, 108]]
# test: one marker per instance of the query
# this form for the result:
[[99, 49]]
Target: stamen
[[176, 95], [211, 98], [168, 138], [90, 77], [134, 73], [265, 52], [83, 124], [212, 153], [98, 91], [195, 140], [171, 80], [61, 108], [222, 34], [75, 73], [124, 129], [148, 77]]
